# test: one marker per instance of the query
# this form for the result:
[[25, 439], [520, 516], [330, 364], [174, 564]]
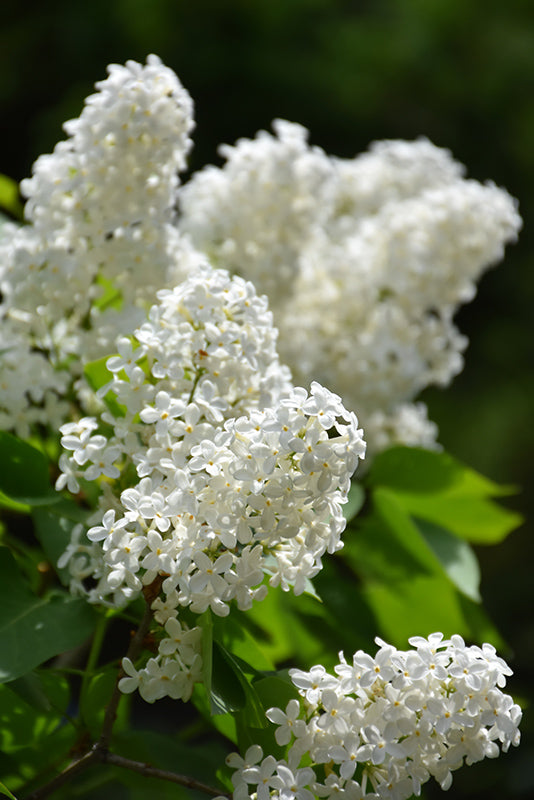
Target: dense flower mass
[[365, 261], [100, 242], [383, 725], [216, 470]]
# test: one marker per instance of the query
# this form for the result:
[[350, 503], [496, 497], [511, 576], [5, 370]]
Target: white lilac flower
[[361, 738], [365, 262], [254, 216], [216, 473], [173, 672], [101, 239]]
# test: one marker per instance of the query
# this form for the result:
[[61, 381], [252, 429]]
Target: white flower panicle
[[391, 171], [217, 470], [383, 725], [365, 260], [253, 217], [385, 248], [119, 166], [102, 238]]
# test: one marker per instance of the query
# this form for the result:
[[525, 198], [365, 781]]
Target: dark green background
[[458, 71]]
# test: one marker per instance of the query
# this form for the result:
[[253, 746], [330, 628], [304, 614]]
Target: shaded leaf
[[253, 709], [205, 622], [24, 477], [95, 699], [30, 688], [224, 723], [22, 724], [456, 556], [355, 501], [227, 693], [233, 632], [53, 528], [413, 468], [33, 629], [387, 545]]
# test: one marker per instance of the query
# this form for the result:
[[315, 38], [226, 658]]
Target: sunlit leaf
[[98, 376], [477, 520], [437, 488], [9, 197], [5, 790]]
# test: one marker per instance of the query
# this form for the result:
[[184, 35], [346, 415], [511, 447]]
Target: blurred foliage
[[461, 73]]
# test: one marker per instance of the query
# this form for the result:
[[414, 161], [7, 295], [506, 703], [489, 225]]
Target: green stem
[[94, 654]]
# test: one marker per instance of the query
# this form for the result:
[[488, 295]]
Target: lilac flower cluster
[[383, 725]]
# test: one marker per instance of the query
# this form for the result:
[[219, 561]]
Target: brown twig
[[153, 772], [68, 773], [98, 755]]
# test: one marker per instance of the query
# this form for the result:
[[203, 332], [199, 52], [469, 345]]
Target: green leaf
[[30, 688], [12, 505], [98, 375], [276, 690], [474, 519], [418, 605], [286, 627], [355, 501], [6, 791], [234, 634], [387, 545], [53, 528], [9, 197], [224, 723], [437, 488], [28, 762], [224, 677], [22, 724], [34, 629], [253, 709], [95, 699], [411, 468], [205, 622], [227, 693], [110, 297], [273, 690], [456, 556], [24, 477]]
